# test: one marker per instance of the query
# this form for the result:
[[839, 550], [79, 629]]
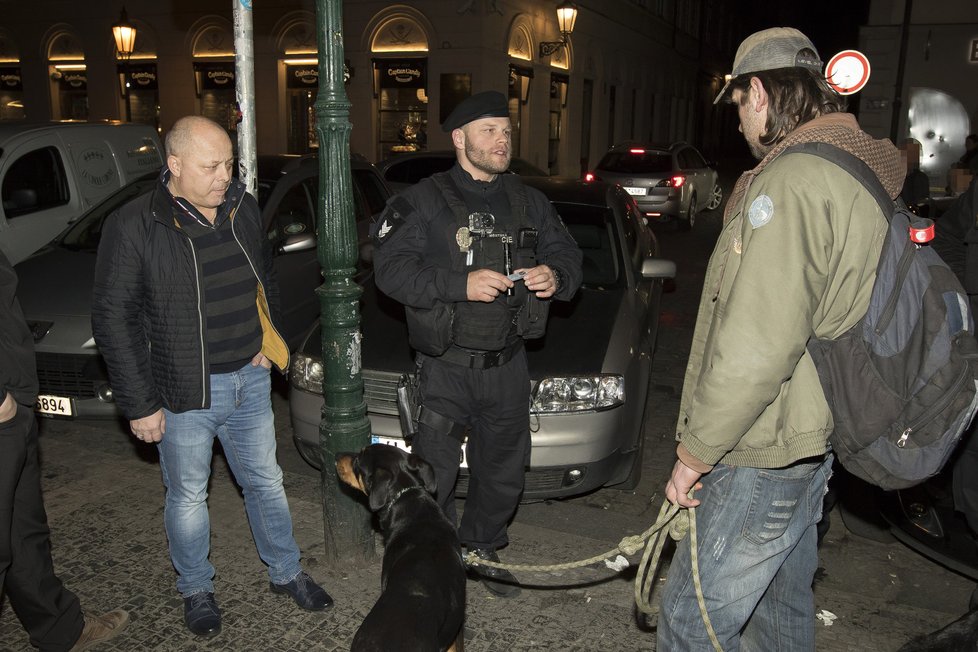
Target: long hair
[[796, 95]]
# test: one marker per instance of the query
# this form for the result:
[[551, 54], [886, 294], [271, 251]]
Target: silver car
[[668, 182], [55, 285], [590, 374]]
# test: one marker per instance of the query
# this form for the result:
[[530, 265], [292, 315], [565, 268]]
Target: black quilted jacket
[[148, 312]]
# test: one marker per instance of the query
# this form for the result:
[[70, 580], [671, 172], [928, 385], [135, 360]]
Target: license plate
[[59, 405], [636, 191], [400, 443]]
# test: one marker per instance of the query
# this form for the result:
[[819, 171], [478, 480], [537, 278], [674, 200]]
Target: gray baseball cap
[[770, 49]]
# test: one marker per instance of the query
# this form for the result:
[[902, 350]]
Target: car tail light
[[636, 150], [590, 176], [672, 182]]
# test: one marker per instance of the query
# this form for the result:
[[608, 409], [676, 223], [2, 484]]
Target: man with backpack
[[796, 260]]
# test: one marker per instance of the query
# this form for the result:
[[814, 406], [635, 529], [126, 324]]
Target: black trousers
[[48, 611], [494, 406]]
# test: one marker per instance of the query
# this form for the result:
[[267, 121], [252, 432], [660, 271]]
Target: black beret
[[488, 104]]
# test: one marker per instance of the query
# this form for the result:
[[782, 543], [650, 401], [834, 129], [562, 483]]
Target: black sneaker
[[306, 593], [202, 615], [497, 581]]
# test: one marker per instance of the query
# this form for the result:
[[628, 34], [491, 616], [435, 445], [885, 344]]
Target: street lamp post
[[124, 34], [344, 426], [566, 17]]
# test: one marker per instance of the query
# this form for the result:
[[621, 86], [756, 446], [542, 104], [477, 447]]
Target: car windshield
[[592, 228], [85, 234], [525, 168], [643, 162]]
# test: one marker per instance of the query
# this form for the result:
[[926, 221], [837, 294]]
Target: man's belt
[[480, 359]]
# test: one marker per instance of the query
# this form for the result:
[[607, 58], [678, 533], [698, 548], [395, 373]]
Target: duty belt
[[480, 359]]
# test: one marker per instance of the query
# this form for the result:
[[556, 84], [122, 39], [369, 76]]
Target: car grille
[[548, 480], [76, 376], [380, 391]]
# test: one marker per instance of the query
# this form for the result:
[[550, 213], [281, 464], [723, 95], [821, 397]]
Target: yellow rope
[[679, 522]]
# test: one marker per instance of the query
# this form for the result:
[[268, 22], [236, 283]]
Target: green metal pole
[[349, 536]]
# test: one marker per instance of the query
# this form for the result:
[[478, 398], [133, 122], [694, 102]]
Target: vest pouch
[[430, 329], [531, 323], [482, 326]]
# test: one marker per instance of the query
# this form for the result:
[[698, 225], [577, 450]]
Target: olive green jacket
[[797, 256]]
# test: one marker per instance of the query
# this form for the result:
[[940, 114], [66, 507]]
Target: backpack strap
[[852, 164]]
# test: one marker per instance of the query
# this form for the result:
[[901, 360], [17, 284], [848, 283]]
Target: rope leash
[[679, 524]]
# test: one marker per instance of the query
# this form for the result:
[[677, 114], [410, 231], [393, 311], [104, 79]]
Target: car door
[[701, 175], [290, 214], [39, 196]]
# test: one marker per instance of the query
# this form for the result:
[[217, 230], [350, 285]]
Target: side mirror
[[653, 268], [298, 242]]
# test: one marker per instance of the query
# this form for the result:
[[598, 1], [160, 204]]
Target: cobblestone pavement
[[105, 505]]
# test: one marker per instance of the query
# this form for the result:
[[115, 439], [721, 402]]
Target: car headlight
[[307, 373], [577, 394]]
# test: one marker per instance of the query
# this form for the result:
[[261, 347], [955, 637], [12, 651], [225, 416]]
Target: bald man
[[185, 311]]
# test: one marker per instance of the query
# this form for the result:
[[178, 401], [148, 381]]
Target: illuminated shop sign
[[408, 73], [10, 79]]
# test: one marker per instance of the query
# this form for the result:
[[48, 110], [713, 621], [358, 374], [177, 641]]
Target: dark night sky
[[833, 25]]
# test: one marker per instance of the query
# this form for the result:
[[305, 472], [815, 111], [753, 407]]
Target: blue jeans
[[757, 559], [240, 416]]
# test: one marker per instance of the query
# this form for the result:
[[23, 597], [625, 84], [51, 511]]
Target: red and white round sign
[[847, 72]]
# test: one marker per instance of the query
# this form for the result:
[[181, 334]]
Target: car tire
[[686, 221], [310, 454], [716, 198]]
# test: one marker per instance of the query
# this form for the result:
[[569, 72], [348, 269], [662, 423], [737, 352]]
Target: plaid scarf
[[841, 130]]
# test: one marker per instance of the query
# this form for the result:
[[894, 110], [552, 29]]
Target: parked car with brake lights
[[589, 375], [55, 285], [668, 182]]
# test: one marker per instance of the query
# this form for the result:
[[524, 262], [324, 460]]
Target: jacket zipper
[[937, 408], [906, 259], [200, 325]]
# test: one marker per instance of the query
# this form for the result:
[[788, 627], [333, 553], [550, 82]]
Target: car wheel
[[309, 453], [716, 199], [686, 222]]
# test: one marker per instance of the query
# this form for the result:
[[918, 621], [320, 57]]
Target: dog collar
[[401, 492]]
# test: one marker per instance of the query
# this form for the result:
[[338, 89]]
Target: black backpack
[[901, 383]]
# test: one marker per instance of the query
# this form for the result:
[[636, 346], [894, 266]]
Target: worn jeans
[[757, 559], [240, 416]]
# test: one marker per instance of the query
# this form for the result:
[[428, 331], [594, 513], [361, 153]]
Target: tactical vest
[[501, 243]]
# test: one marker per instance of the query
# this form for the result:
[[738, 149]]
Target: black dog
[[422, 604]]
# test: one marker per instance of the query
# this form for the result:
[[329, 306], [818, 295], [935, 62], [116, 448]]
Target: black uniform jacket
[[416, 242]]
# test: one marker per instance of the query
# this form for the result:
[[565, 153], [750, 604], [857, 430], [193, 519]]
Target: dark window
[[592, 228], [372, 188], [640, 163], [294, 214], [84, 235], [35, 182], [689, 159]]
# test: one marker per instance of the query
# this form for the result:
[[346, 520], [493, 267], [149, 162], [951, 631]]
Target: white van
[[51, 173]]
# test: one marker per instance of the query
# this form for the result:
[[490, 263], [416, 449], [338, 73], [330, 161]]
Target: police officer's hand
[[149, 429], [485, 285], [540, 280]]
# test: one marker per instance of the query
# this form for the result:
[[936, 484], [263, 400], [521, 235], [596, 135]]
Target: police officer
[[475, 256]]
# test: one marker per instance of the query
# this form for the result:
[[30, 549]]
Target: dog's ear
[[380, 488], [423, 471]]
